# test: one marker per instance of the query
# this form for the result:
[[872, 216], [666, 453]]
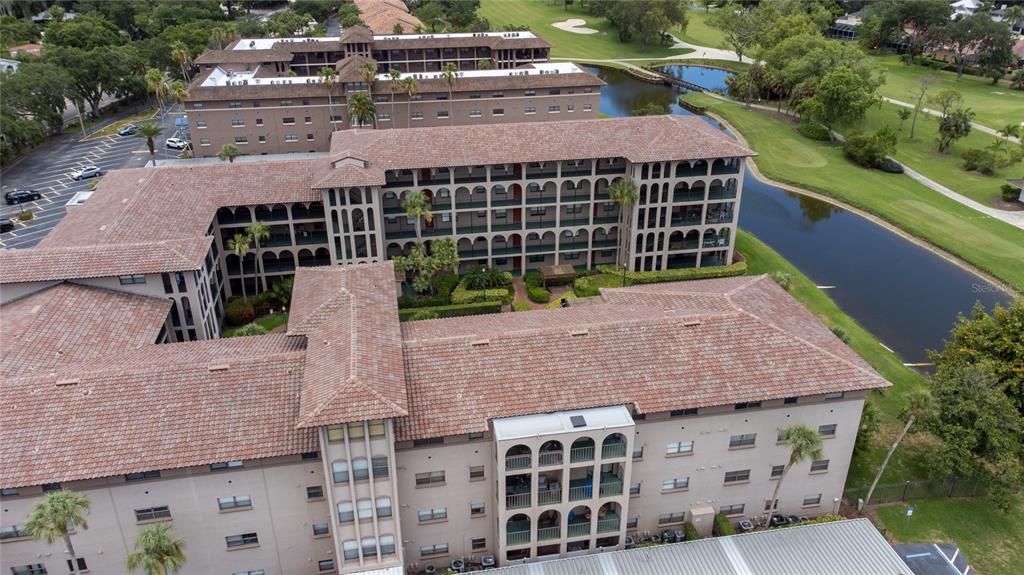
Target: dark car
[[20, 196], [128, 130], [6, 226]]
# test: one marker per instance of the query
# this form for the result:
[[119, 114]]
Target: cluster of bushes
[[239, 312], [691, 532], [782, 278], [247, 330], [869, 150], [443, 286], [1010, 193], [585, 287], [461, 295], [814, 130], [722, 526], [681, 274], [520, 305], [452, 310], [534, 290], [995, 157]]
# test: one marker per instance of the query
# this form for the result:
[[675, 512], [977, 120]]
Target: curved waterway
[[903, 293]]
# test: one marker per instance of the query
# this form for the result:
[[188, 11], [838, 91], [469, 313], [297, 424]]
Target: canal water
[[904, 294]]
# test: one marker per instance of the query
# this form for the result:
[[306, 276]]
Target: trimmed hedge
[[520, 305], [538, 294], [239, 312], [681, 274], [584, 287], [531, 279], [461, 295], [722, 526], [691, 532], [443, 286], [453, 310]]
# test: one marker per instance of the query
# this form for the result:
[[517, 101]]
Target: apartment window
[[225, 465], [812, 500], [476, 473], [325, 565], [498, 112], [335, 433], [819, 465], [477, 434], [241, 139], [200, 124], [442, 114], [438, 514], [243, 539], [416, 97], [677, 483], [737, 476], [350, 549], [435, 549], [744, 440], [81, 564], [48, 487], [475, 113], [411, 222], [535, 259], [142, 475], [530, 110], [31, 569], [9, 492], [570, 108], [631, 522], [197, 106], [827, 430], [310, 137], [377, 428], [474, 96], [234, 104], [638, 452], [204, 141], [288, 121], [339, 471], [499, 94], [634, 490], [259, 121], [360, 469], [310, 455], [417, 115], [442, 96], [13, 532], [308, 120], [571, 256], [500, 214], [252, 572], [768, 505], [262, 139], [477, 508], [777, 471], [387, 545], [789, 401], [674, 412], [383, 504], [530, 93], [748, 405], [321, 529], [151, 513], [554, 109], [429, 440], [430, 478], [237, 123], [478, 544], [132, 279], [835, 395], [380, 466], [314, 492], [291, 138], [538, 211], [256, 104], [364, 509], [587, 90], [587, 107], [668, 518], [735, 509], [346, 512], [554, 92], [234, 502], [679, 448]]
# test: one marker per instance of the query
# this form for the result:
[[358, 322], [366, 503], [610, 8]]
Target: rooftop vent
[[218, 367], [480, 342], [579, 332], [691, 322], [578, 421], [67, 382]]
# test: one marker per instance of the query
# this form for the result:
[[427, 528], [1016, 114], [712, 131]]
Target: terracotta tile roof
[[638, 139], [274, 54], [356, 34], [158, 407], [365, 5], [493, 42], [348, 68], [50, 263], [353, 366], [69, 323], [382, 20], [461, 372]]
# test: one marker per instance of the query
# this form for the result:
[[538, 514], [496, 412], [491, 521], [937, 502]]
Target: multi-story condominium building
[[514, 197], [267, 96], [353, 443]]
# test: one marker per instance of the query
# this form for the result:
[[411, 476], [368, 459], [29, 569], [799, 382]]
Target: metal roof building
[[853, 547]]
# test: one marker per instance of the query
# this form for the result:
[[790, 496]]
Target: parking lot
[[47, 170]]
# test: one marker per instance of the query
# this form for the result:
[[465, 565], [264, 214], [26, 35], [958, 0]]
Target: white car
[[86, 172], [176, 143]]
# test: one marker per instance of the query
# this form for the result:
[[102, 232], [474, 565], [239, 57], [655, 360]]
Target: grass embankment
[[539, 15], [269, 322], [699, 32], [112, 129], [994, 105], [786, 156], [993, 542]]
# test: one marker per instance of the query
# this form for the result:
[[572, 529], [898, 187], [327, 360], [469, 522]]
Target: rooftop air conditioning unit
[[252, 43]]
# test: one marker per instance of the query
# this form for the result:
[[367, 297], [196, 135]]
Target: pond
[[904, 294], [712, 79]]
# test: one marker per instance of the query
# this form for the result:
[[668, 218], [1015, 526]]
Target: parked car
[[20, 196], [6, 226], [86, 172], [128, 130], [176, 143]]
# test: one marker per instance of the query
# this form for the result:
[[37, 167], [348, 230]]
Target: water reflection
[[708, 78]]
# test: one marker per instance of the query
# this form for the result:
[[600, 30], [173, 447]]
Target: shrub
[[422, 314], [249, 329], [538, 294], [681, 274], [263, 302], [453, 310], [25, 215], [531, 279], [1010, 193], [826, 518], [813, 130], [981, 160], [584, 287], [445, 284], [841, 334], [723, 526], [691, 532], [520, 305], [783, 279], [239, 312], [869, 150], [405, 302], [461, 294]]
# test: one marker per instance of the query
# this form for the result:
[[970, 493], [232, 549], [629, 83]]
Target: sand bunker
[[574, 25]]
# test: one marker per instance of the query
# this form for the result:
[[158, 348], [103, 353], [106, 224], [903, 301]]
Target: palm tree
[[54, 516], [804, 443], [181, 55], [178, 91], [919, 406], [239, 245], [394, 86], [484, 64], [361, 110], [229, 152], [417, 205], [368, 71], [258, 231], [221, 36], [156, 85], [150, 130], [409, 86], [327, 75], [623, 192], [450, 74], [157, 553]]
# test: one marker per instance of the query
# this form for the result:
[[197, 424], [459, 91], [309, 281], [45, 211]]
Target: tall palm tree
[[221, 36], [178, 91], [55, 515], [361, 110], [417, 205], [450, 75], [368, 71], [409, 86], [157, 553], [919, 406], [328, 75], [181, 55], [258, 231], [150, 130], [394, 86], [156, 85], [484, 64], [804, 443], [623, 192], [239, 245], [228, 152]]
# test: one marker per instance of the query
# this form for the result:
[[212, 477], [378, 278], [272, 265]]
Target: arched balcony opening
[[655, 171], [518, 457], [710, 239], [550, 453], [582, 450], [578, 522], [549, 525], [609, 517], [355, 196], [517, 530], [675, 240], [322, 257], [306, 258], [613, 446], [518, 491], [574, 240], [725, 166]]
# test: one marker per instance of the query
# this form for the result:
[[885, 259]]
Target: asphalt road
[[46, 171]]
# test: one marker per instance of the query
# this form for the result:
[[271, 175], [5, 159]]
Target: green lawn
[[538, 15], [268, 322], [786, 156], [993, 542], [699, 32], [994, 106]]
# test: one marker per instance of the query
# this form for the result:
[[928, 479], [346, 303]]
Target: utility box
[[703, 519]]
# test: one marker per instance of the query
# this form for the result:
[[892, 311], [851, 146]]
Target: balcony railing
[[400, 234], [577, 454], [612, 450], [549, 497], [463, 229], [721, 193], [688, 197], [606, 525], [517, 461], [551, 457], [614, 169], [506, 201], [606, 219], [472, 253], [578, 529], [719, 218], [605, 243], [548, 533], [686, 221], [517, 501], [506, 227], [310, 238], [533, 225], [532, 249], [467, 204], [394, 209], [548, 199], [503, 176], [430, 232], [580, 493], [611, 488], [518, 537], [507, 250]]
